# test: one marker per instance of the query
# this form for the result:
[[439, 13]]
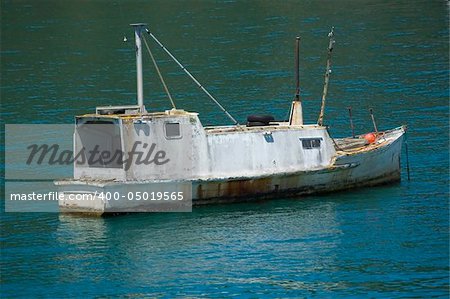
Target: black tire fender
[[256, 124], [260, 118]]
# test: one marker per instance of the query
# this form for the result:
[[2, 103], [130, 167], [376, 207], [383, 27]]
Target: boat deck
[[349, 144], [359, 143]]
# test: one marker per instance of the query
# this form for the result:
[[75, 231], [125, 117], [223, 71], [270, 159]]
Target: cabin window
[[173, 130], [310, 143]]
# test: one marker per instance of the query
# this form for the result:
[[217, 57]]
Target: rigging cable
[[159, 73], [334, 141], [192, 77]]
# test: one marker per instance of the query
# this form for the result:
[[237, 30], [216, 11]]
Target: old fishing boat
[[147, 158]]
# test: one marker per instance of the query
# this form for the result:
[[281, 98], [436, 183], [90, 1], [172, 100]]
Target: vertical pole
[[296, 113], [373, 120], [140, 90], [297, 69], [351, 121], [407, 156], [327, 77]]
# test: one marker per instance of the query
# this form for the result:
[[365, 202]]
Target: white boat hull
[[373, 165], [369, 168]]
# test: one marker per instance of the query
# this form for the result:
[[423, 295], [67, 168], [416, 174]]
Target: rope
[[193, 78], [159, 73]]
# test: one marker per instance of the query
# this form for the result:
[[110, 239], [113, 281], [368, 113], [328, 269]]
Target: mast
[[138, 28], [327, 76], [296, 114]]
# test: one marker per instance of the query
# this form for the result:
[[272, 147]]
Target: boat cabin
[[122, 144]]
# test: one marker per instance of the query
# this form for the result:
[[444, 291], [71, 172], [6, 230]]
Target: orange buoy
[[370, 137]]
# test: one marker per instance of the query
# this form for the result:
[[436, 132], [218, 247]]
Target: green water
[[63, 58]]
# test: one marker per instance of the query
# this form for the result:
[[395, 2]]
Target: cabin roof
[[274, 126], [110, 112], [173, 112]]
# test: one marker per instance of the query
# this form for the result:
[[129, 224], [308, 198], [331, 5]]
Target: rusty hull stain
[[272, 187], [235, 188]]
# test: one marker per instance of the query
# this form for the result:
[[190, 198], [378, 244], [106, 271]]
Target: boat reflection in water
[[175, 247]]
